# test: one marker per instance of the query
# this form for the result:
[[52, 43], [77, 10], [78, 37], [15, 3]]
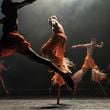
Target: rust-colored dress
[[13, 42], [89, 63], [54, 49]]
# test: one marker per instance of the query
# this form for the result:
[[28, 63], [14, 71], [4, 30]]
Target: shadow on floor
[[52, 106]]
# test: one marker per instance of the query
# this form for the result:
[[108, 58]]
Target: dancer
[[54, 49], [12, 41], [89, 63], [3, 67]]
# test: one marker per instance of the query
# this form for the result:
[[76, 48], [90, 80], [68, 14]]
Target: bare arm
[[100, 46], [53, 23], [24, 3], [80, 45]]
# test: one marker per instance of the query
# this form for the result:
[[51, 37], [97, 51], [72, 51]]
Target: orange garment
[[59, 52], [89, 63], [54, 50], [57, 79], [13, 42]]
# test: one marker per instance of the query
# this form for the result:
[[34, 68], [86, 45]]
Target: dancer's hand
[[102, 43], [74, 46]]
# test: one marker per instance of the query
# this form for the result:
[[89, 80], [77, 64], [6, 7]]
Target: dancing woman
[[12, 41], [89, 63], [54, 49]]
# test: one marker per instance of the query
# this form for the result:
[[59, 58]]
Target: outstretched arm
[[24, 3], [100, 45], [80, 45]]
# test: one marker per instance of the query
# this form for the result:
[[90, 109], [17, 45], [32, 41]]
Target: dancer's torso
[[90, 50]]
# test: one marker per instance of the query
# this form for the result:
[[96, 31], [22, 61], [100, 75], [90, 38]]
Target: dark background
[[82, 20]]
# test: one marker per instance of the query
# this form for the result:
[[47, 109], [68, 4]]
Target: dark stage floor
[[50, 104]]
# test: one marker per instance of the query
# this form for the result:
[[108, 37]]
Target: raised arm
[[24, 3], [100, 45], [54, 23], [80, 45]]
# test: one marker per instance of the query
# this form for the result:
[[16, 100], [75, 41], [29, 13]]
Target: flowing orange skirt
[[11, 43], [89, 63]]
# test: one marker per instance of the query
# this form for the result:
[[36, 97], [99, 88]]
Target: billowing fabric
[[11, 43], [54, 49], [89, 63]]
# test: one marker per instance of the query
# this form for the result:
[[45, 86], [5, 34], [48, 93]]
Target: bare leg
[[103, 90], [30, 53], [77, 77], [3, 85], [58, 94], [75, 89], [97, 76]]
